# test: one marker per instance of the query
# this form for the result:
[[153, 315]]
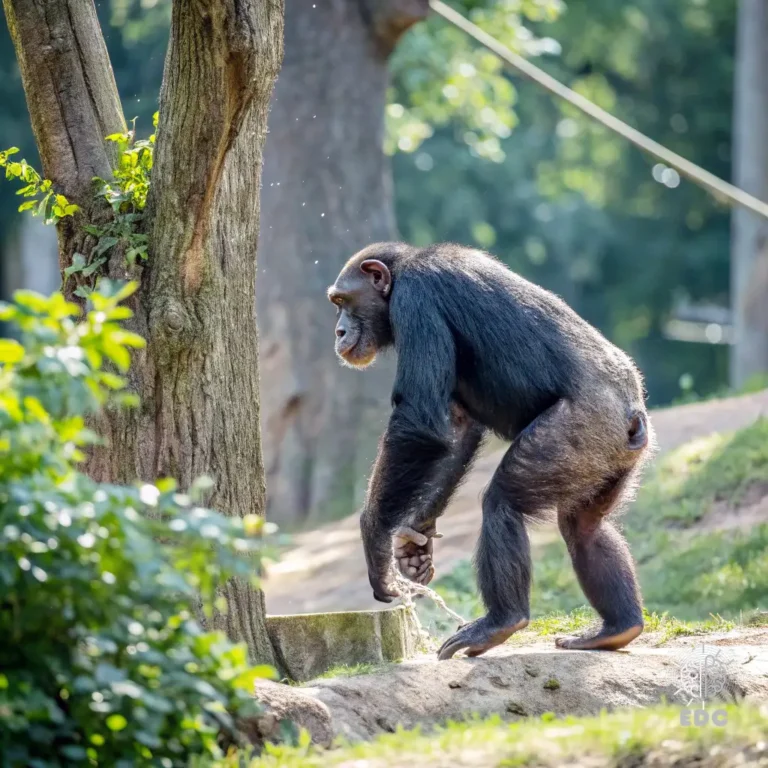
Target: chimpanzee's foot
[[607, 639], [478, 637]]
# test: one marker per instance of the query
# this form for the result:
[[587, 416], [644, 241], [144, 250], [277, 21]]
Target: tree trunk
[[327, 193], [198, 377], [749, 247]]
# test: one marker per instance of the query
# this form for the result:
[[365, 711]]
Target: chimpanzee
[[480, 348]]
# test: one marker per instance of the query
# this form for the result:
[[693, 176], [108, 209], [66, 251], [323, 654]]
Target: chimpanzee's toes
[[478, 637], [606, 639]]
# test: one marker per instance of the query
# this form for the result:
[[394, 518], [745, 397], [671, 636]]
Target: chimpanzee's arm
[[413, 540], [466, 439], [418, 447]]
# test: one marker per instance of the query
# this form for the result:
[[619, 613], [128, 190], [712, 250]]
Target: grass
[[684, 570], [352, 670], [643, 737], [665, 626]]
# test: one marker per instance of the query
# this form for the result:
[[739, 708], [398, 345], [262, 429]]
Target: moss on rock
[[312, 643]]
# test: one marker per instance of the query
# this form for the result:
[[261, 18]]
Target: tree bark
[[198, 377], [749, 247], [327, 193]]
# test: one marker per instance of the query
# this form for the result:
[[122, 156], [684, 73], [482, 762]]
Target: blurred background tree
[[477, 158]]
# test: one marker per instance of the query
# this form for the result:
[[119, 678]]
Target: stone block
[[313, 643]]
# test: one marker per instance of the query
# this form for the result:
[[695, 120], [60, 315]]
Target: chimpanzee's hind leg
[[556, 463], [605, 570], [503, 564], [521, 486]]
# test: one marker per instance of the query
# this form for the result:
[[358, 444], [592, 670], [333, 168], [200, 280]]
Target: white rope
[[408, 588], [721, 190]]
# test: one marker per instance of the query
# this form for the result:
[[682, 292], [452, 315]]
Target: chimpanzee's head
[[361, 294]]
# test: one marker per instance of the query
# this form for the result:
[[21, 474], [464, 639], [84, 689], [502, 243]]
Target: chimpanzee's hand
[[383, 586], [413, 552]]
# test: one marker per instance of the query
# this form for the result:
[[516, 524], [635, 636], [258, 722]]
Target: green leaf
[[42, 205], [112, 381], [116, 722], [104, 244], [93, 266], [129, 339], [83, 292], [106, 674], [31, 300], [78, 265], [27, 206], [118, 355], [166, 485]]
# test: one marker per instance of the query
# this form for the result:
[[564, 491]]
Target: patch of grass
[[559, 623], [649, 736], [353, 670], [683, 570], [756, 619]]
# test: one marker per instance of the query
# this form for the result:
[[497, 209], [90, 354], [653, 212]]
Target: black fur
[[516, 360]]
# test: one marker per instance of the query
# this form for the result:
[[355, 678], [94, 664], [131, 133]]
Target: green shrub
[[101, 659]]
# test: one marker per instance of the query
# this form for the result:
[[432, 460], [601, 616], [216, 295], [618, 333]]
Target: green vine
[[126, 193]]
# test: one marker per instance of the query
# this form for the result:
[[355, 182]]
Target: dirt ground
[[529, 680], [325, 571]]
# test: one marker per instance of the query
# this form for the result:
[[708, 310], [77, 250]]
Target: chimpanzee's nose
[[341, 333]]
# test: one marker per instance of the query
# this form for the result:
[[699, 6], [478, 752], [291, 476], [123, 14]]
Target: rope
[[719, 189]]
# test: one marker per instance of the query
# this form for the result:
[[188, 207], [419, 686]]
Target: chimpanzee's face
[[360, 295]]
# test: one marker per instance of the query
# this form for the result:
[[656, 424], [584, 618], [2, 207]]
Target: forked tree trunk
[[327, 193], [749, 246], [198, 378]]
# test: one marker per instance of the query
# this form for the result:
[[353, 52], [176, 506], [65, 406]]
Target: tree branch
[[220, 57], [70, 88]]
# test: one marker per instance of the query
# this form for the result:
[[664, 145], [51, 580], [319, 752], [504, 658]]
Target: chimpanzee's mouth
[[354, 353], [345, 346]]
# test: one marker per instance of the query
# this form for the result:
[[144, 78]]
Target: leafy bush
[[101, 659]]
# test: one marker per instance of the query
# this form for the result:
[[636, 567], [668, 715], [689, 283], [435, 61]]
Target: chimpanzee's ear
[[378, 274]]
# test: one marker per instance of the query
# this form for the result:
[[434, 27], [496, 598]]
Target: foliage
[[126, 194], [440, 76], [688, 567], [579, 210], [131, 177], [647, 736], [43, 199], [102, 660]]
